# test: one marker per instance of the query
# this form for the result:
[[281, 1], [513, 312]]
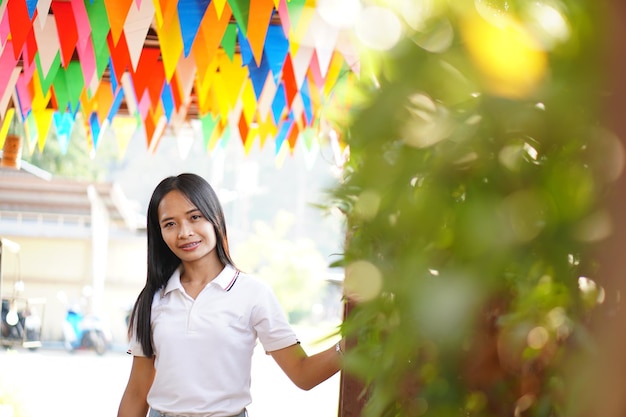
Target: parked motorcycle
[[85, 331], [21, 323]]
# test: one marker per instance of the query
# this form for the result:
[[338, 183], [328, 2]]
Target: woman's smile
[[189, 246]]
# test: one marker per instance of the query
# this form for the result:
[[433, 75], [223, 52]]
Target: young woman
[[195, 323]]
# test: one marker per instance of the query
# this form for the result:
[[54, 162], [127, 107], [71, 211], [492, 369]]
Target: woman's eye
[[196, 217], [168, 225]]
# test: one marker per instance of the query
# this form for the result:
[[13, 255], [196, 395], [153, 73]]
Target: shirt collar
[[225, 279]]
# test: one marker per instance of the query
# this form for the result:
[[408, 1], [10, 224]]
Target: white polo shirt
[[203, 347]]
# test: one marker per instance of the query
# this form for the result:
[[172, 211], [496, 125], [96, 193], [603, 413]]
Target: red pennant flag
[[150, 75], [20, 24], [120, 57], [31, 47], [289, 78], [67, 30], [292, 139], [243, 129]]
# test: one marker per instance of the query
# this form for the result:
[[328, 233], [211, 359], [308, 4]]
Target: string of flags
[[256, 70]]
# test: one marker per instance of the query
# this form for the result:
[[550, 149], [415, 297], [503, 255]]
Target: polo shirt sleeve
[[270, 322], [134, 347]]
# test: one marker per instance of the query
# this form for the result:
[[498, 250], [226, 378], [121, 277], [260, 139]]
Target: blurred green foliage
[[472, 198]]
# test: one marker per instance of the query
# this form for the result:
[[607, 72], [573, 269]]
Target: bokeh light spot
[[509, 58], [367, 205], [340, 14], [363, 281], [378, 28], [548, 22], [525, 214], [538, 337]]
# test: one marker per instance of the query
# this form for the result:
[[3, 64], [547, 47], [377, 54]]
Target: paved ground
[[52, 382]]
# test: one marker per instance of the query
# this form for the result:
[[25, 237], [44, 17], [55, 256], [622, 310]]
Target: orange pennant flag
[[117, 11], [103, 100], [210, 34], [258, 21]]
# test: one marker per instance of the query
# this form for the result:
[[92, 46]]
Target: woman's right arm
[[134, 401]]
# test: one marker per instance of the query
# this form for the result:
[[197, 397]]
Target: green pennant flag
[[241, 11], [47, 81], [294, 7], [99, 22], [229, 40], [60, 91], [75, 84], [97, 14], [208, 126]]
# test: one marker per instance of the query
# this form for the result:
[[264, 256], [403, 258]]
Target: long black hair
[[161, 260]]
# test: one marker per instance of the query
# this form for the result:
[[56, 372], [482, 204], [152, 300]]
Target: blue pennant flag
[[190, 14]]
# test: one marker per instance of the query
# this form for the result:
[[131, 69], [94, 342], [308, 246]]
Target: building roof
[[33, 201]]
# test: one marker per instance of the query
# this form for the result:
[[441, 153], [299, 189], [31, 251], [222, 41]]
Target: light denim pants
[[155, 413]]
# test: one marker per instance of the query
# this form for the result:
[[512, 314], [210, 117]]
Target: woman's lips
[[189, 246]]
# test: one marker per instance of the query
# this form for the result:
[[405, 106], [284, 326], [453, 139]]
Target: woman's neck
[[200, 272]]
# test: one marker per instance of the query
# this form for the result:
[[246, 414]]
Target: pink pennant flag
[[285, 21], [347, 46], [316, 73], [144, 104], [11, 80], [83, 25], [185, 74], [325, 41], [7, 64], [43, 6], [87, 60], [4, 25], [301, 63], [24, 94], [47, 43], [136, 28], [129, 94]]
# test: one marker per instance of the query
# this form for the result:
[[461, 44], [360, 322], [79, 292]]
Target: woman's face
[[185, 230]]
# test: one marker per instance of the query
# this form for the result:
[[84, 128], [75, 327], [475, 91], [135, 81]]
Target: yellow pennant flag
[[334, 70], [248, 100], [124, 128], [219, 7], [171, 41], [6, 123], [267, 129], [43, 118], [233, 74], [39, 100]]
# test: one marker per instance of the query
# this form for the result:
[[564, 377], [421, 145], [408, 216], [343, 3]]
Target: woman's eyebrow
[[172, 217]]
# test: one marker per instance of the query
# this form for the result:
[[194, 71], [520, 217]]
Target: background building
[[77, 243]]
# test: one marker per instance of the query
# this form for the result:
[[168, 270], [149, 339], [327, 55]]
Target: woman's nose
[[184, 231]]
